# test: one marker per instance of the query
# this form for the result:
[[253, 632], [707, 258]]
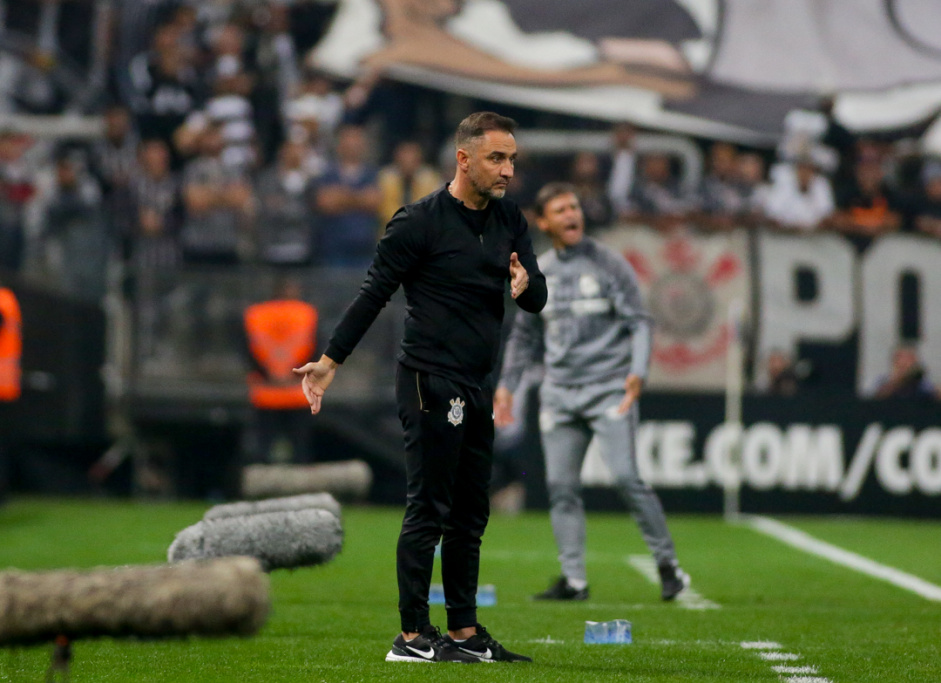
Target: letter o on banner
[[784, 321], [889, 468], [926, 462], [883, 267], [762, 453]]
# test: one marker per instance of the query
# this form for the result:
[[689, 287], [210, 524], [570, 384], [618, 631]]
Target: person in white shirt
[[800, 197]]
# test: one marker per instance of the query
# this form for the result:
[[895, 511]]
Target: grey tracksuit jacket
[[594, 327]]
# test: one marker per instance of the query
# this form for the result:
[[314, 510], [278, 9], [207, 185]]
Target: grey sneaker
[[673, 580], [428, 646], [561, 590]]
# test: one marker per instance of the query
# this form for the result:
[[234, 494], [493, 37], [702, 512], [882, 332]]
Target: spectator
[[348, 199], [219, 205], [800, 197], [527, 175], [231, 108], [407, 179], [623, 166], [77, 245], [656, 198], [156, 194], [906, 378], [230, 105], [229, 56], [317, 109], [783, 378], [722, 192], [114, 157], [286, 228], [16, 189], [754, 188], [113, 162], [925, 209], [867, 207], [838, 138], [278, 73], [165, 86], [590, 189]]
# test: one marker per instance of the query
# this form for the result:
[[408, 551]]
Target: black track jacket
[[455, 279]]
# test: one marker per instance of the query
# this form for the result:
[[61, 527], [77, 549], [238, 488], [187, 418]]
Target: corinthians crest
[[456, 414]]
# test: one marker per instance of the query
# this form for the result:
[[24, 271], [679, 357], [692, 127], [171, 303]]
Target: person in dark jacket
[[453, 252]]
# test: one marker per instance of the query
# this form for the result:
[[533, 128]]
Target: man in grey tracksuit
[[594, 337]]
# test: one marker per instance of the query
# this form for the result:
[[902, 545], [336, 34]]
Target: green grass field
[[335, 623]]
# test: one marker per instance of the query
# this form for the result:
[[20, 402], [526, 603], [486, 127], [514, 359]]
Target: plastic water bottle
[[608, 632], [486, 595]]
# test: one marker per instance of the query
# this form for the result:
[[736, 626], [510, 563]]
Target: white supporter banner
[[730, 69], [853, 293], [689, 283]]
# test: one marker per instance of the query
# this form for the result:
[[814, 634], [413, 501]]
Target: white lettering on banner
[[892, 476], [926, 462], [762, 452], [794, 457], [676, 452], [882, 268], [865, 451], [784, 319], [815, 457], [720, 446], [839, 306], [665, 453]]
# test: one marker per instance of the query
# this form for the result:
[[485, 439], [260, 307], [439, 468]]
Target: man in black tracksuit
[[453, 252]]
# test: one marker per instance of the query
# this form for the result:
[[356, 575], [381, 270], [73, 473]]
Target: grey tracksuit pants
[[569, 417]]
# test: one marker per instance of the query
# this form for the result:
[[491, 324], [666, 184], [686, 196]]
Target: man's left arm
[[533, 298], [629, 306]]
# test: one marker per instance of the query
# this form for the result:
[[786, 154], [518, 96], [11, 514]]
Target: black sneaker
[[561, 590], [428, 646], [484, 648], [672, 579]]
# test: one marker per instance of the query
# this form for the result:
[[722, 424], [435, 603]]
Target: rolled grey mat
[[348, 480], [217, 597], [321, 501], [279, 540]]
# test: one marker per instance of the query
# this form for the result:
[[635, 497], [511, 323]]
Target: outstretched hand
[[502, 407], [519, 278], [632, 388], [316, 378]]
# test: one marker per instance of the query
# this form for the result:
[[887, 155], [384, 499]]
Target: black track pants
[[448, 459]]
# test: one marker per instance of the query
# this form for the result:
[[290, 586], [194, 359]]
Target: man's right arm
[[397, 254]]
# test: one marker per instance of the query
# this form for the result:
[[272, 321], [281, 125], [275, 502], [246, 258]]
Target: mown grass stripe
[[779, 656], [804, 541], [788, 669]]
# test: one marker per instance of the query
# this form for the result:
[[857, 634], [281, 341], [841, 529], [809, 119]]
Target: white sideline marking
[[548, 640], [779, 656], [804, 541], [785, 669], [769, 654], [688, 599]]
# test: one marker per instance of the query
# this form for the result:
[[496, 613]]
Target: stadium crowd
[[223, 145]]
